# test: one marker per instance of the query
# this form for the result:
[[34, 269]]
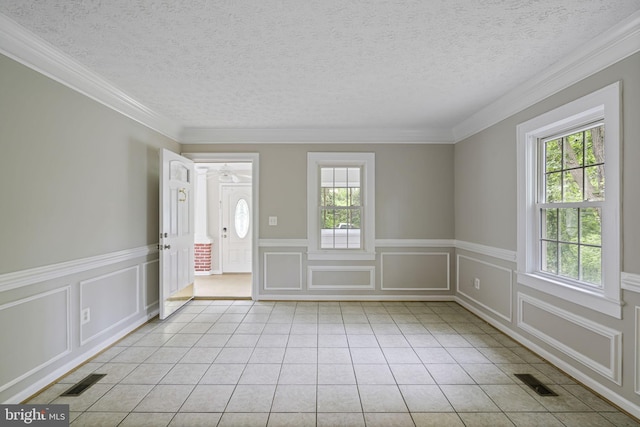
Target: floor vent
[[535, 385], [79, 388]]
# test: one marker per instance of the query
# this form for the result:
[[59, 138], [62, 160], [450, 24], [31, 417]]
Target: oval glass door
[[242, 218]]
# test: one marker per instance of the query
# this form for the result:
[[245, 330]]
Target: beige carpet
[[231, 285]]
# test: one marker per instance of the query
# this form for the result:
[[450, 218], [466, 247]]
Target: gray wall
[[79, 224], [414, 215], [78, 178], [414, 187], [485, 214]]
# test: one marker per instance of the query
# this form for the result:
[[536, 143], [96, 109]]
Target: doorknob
[[167, 246]]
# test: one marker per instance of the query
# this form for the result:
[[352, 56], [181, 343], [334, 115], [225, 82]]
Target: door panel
[[236, 228], [176, 232]]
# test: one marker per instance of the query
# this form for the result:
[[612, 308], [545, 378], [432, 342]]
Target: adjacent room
[[321, 213]]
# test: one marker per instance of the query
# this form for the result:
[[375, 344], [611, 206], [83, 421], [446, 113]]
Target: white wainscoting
[[36, 332], [112, 299], [44, 306], [611, 370], [415, 271], [338, 278], [282, 271], [498, 280], [150, 281], [631, 282]]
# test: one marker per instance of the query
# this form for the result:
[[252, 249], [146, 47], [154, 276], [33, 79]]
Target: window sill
[[340, 256], [592, 299]]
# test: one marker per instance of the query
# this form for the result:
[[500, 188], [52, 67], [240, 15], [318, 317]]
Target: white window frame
[[603, 104], [367, 191]]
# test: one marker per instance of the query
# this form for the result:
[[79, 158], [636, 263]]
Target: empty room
[[320, 213]]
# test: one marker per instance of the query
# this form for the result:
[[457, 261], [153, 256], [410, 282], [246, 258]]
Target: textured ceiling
[[321, 64]]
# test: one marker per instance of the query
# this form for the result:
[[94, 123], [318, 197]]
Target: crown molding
[[19, 44], [23, 46], [621, 41], [203, 135]]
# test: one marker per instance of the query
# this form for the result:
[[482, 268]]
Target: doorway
[[226, 223]]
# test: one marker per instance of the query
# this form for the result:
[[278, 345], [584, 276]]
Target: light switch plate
[[273, 220]]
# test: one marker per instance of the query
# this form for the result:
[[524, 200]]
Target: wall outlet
[[476, 283], [85, 316], [273, 220]]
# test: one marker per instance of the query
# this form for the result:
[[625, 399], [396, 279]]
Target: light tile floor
[[240, 363]]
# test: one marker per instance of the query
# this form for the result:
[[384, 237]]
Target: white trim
[[414, 243], [31, 276], [77, 361], [486, 307], [446, 254], [637, 351], [612, 372], [81, 286], [254, 159], [343, 297], [368, 163], [631, 282], [67, 350], [607, 393], [621, 41], [491, 251], [338, 268], [265, 263], [145, 268], [601, 104], [28, 49], [200, 135], [282, 243]]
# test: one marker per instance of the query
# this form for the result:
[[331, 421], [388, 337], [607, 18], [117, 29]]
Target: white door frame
[[252, 158]]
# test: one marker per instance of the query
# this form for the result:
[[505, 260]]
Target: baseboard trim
[[607, 393], [377, 297], [82, 358]]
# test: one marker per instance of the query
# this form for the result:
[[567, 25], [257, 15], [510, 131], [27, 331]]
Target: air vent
[[535, 385], [79, 388]]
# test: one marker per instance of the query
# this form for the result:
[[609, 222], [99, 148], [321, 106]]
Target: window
[[568, 226], [340, 223], [340, 208], [570, 200]]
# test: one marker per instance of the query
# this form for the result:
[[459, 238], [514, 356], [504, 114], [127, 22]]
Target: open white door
[[176, 231]]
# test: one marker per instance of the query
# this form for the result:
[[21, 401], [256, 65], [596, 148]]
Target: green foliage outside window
[[571, 236]]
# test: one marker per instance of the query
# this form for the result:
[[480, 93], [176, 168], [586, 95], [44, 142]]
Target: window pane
[[594, 145], [549, 224], [591, 262], [572, 188], [569, 260], [327, 218], [549, 257], [354, 197], [353, 177], [340, 196], [568, 225], [326, 177], [242, 218], [553, 187], [340, 177], [553, 155], [591, 226], [573, 150], [595, 183]]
